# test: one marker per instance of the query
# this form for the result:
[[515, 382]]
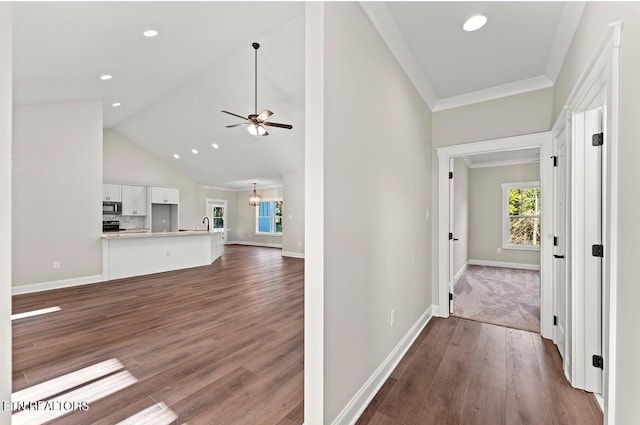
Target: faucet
[[207, 220]]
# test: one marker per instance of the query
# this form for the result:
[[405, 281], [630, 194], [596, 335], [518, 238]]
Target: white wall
[[57, 191], [595, 19], [509, 116], [377, 181], [293, 212], [127, 163], [460, 214], [245, 218], [485, 221], [6, 101]]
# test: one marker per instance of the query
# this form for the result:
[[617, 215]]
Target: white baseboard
[[56, 284], [600, 400], [293, 254], [462, 270], [250, 243], [523, 266], [363, 397]]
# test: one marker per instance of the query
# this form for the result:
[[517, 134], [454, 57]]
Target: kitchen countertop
[[142, 233]]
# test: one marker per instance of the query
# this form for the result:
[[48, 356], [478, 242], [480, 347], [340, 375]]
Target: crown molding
[[569, 21], [381, 18], [492, 93], [228, 189]]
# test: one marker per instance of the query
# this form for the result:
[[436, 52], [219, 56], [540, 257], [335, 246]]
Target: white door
[[451, 208], [560, 254], [593, 259], [217, 214]]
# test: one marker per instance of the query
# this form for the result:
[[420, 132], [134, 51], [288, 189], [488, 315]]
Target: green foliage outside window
[[524, 216]]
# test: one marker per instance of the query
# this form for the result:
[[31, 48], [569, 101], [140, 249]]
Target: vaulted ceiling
[[172, 87]]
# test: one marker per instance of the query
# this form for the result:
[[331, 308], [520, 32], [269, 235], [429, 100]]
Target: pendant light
[[254, 198]]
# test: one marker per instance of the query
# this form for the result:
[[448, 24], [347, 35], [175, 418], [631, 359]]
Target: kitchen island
[[126, 254]]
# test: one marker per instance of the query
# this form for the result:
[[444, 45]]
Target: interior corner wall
[[127, 163], [505, 117], [6, 101], [485, 222], [595, 20], [377, 188], [460, 215], [293, 212], [245, 218], [57, 191]]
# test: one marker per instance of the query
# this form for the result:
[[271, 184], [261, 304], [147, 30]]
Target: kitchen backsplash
[[126, 221]]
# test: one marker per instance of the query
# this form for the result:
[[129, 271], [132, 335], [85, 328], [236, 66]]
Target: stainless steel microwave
[[109, 207]]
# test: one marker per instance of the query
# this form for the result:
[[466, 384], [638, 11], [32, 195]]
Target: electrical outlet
[[499, 250], [426, 215], [299, 244], [393, 317], [56, 265], [168, 254]]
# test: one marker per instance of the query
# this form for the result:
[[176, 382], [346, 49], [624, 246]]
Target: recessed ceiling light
[[106, 77], [215, 145], [117, 104], [150, 33], [195, 151], [176, 156], [474, 23]]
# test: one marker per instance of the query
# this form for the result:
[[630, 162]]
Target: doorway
[[495, 225], [216, 211], [446, 236]]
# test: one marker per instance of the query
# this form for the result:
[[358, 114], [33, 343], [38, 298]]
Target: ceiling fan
[[256, 122]]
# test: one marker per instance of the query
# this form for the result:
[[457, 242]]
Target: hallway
[[463, 372]]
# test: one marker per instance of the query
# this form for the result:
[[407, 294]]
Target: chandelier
[[254, 198]]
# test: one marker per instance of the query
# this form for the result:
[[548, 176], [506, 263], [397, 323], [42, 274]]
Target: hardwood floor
[[465, 372], [220, 344]]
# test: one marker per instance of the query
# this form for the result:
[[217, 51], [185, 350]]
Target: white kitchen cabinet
[[134, 200], [112, 192], [163, 195]]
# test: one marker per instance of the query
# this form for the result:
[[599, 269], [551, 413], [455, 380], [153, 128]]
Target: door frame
[[599, 84], [535, 140], [225, 219]]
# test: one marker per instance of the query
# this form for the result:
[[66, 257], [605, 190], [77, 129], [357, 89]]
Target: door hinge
[[597, 361], [450, 236], [597, 250], [555, 160], [555, 320], [450, 296], [450, 174], [555, 241], [597, 139]]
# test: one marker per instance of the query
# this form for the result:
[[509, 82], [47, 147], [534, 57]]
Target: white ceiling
[[173, 87]]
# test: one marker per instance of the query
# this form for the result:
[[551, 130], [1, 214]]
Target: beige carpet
[[506, 297]]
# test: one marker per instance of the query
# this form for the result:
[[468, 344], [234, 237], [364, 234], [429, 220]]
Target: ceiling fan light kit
[[257, 123]]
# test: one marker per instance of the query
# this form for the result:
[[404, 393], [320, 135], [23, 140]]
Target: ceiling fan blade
[[236, 115], [275, 124], [236, 125], [264, 115]]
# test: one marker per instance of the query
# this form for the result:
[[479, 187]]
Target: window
[[521, 215], [218, 217], [269, 217]]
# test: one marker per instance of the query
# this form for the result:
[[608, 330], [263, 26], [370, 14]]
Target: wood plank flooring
[[464, 372], [220, 344]]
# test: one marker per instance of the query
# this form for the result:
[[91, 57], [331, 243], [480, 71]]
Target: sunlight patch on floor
[[34, 313], [158, 414], [65, 402]]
